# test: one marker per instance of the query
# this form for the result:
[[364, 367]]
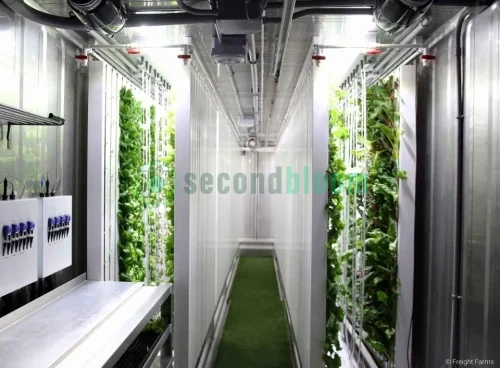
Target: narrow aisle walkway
[[256, 333]]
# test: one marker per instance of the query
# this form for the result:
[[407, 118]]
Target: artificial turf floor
[[255, 334]]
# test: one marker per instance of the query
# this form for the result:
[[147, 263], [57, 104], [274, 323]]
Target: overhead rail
[[373, 46], [255, 77], [236, 92], [133, 46]]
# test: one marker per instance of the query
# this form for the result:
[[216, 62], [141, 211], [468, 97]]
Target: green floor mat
[[256, 333]]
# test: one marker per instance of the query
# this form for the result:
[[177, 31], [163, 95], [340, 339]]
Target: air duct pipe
[[324, 4], [255, 78], [141, 20], [7, 11], [358, 3], [134, 20], [194, 11]]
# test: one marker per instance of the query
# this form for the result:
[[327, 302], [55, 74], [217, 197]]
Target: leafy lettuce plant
[[130, 207], [336, 173], [381, 272], [169, 192]]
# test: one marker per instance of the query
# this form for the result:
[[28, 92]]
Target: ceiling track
[[220, 101], [306, 67]]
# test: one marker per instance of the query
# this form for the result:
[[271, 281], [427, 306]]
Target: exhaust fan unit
[[395, 15], [106, 16], [252, 143], [232, 50]]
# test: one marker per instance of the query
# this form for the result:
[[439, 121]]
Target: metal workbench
[[90, 325]]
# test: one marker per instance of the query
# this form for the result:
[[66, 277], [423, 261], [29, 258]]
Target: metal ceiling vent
[[106, 16], [395, 15]]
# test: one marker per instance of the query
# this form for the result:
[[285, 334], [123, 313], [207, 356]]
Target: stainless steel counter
[[89, 326]]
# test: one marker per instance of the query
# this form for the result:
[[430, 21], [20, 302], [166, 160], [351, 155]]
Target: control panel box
[[19, 253], [55, 235]]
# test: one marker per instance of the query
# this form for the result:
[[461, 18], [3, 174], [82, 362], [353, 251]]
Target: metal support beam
[[96, 172], [319, 220], [182, 219], [406, 217]]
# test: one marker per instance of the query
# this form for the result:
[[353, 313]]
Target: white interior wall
[[292, 216], [209, 219], [299, 219], [264, 208]]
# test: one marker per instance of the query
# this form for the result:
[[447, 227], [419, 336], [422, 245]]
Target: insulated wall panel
[[264, 209], [481, 257], [299, 219], [292, 216], [435, 207], [210, 201]]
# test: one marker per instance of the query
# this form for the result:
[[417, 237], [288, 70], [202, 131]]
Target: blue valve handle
[[23, 227], [31, 225], [15, 233], [6, 230], [58, 220], [52, 221]]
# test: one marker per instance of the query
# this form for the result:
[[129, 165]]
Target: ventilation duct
[[105, 16], [395, 15]]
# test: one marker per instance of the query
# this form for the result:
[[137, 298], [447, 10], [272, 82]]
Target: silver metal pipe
[[401, 59], [405, 38], [376, 46], [445, 29], [120, 55], [123, 46], [273, 105], [286, 22], [230, 71], [262, 43], [255, 78]]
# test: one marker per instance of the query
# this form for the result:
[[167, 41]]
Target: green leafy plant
[[336, 173], [381, 282], [130, 207], [154, 198], [168, 163]]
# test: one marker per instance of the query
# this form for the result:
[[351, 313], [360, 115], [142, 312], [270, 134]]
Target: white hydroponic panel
[[55, 233], [18, 262]]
